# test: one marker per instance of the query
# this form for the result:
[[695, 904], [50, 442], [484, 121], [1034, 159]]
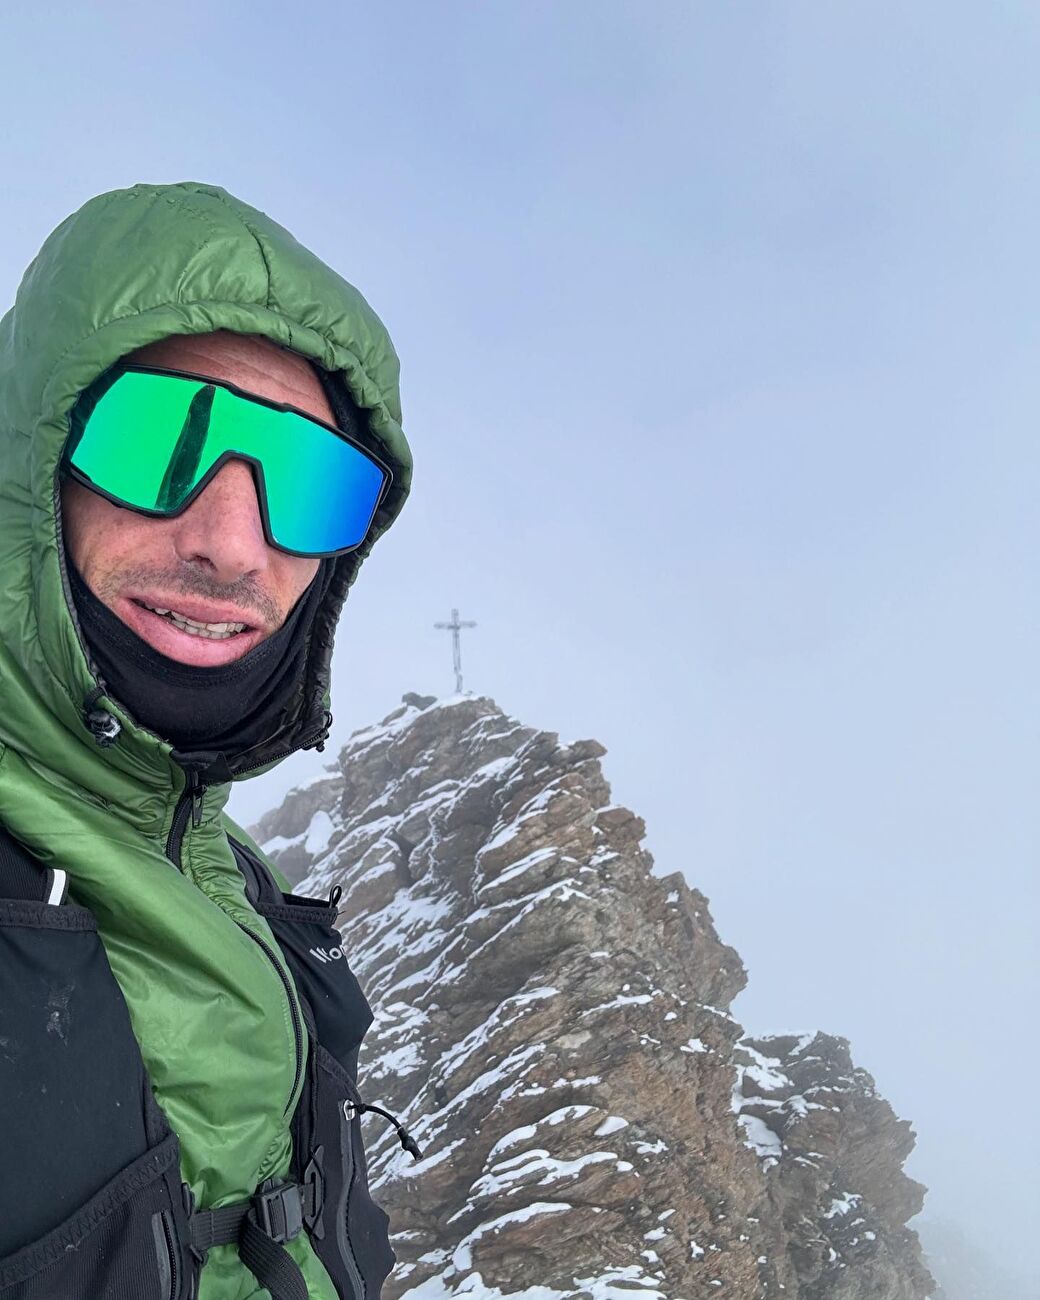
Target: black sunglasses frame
[[83, 409]]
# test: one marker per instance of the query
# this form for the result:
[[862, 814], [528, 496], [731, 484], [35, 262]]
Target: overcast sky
[[719, 335]]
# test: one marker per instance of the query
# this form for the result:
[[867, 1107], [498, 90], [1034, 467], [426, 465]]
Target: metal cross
[[456, 647]]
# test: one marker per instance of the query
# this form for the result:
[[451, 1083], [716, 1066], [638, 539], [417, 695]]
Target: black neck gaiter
[[230, 709]]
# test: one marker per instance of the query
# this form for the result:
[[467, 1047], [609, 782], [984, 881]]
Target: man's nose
[[222, 528]]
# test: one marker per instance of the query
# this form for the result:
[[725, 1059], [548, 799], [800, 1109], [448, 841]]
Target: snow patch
[[319, 832], [462, 1257]]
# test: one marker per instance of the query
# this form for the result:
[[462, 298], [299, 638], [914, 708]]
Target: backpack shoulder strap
[[23, 876], [261, 887]]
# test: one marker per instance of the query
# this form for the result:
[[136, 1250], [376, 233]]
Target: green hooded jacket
[[209, 1010]]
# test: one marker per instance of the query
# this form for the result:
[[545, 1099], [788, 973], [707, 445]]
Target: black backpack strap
[[267, 897], [271, 1264], [259, 1227], [22, 876], [261, 887]]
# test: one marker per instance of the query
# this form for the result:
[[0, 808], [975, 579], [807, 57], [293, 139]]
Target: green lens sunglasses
[[151, 439]]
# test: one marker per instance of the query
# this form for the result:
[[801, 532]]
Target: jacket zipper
[[314, 740], [190, 805], [171, 1246], [194, 791], [297, 1027], [347, 1120]]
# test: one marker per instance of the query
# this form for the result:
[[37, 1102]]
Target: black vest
[[92, 1206]]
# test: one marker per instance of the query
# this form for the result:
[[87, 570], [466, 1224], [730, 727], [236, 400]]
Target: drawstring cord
[[352, 1108]]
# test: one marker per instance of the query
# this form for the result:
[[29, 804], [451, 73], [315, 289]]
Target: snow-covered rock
[[552, 1026]]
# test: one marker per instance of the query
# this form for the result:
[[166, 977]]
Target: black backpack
[[92, 1206]]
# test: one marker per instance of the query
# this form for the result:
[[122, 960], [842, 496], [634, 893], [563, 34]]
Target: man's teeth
[[214, 631]]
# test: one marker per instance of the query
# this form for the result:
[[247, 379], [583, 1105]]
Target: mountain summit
[[552, 1025]]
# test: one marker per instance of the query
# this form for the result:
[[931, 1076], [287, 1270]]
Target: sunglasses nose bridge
[[227, 519], [244, 459]]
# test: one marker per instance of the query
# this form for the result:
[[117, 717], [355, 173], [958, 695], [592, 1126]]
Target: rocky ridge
[[552, 1024]]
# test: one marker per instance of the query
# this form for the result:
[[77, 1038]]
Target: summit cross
[[456, 646]]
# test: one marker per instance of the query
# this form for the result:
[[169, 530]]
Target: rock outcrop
[[552, 1024]]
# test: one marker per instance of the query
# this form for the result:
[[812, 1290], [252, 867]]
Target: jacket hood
[[128, 268]]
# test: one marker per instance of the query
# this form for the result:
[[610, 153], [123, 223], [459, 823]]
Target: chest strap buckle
[[260, 1227], [279, 1210]]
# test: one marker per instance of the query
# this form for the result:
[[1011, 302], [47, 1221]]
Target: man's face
[[211, 564]]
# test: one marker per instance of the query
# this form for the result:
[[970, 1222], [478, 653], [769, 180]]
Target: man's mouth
[[208, 634], [210, 631]]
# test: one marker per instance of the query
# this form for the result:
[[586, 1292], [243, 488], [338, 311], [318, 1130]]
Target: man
[[199, 444]]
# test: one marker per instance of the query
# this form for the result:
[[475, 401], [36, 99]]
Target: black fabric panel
[[368, 1225], [261, 886], [353, 1241], [20, 875], [319, 966], [313, 947], [75, 1103], [125, 1243], [356, 1242]]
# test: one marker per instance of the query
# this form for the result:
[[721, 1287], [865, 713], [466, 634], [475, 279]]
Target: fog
[[719, 336]]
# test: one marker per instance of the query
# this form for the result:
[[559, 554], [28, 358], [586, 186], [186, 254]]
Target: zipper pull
[[318, 742], [196, 792]]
